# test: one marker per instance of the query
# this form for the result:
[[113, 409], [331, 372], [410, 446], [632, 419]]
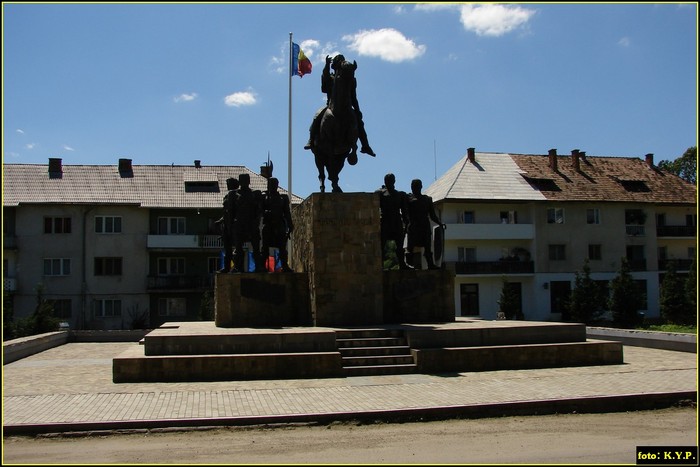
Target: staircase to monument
[[367, 352]]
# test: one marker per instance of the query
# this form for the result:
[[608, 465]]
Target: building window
[[172, 307], [509, 217], [171, 226], [108, 308], [108, 224], [56, 266], [468, 217], [593, 216], [557, 252], [469, 299], [171, 266], [555, 215], [595, 252], [108, 266], [57, 225], [62, 308], [559, 294], [662, 253], [466, 255]]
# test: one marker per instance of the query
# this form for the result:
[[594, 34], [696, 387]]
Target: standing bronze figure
[[394, 218], [420, 212], [277, 222]]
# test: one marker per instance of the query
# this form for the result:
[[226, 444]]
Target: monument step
[[377, 360], [372, 342], [382, 350], [365, 333], [376, 370]]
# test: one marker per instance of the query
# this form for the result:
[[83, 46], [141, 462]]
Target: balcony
[[181, 283], [676, 231], [681, 264], [492, 267], [184, 242], [489, 232]]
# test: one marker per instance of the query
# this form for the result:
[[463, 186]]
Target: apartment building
[[113, 246], [532, 220]]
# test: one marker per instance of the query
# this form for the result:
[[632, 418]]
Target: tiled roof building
[[114, 246], [533, 219]]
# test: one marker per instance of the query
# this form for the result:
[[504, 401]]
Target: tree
[[625, 300], [586, 304], [685, 166], [509, 303], [672, 297], [206, 307]]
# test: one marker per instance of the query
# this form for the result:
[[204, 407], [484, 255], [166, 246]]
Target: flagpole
[[289, 129], [289, 142]]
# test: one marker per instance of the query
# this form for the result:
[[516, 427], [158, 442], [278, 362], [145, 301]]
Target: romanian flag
[[301, 65]]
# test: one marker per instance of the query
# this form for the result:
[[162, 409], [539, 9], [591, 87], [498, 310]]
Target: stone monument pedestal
[[336, 241]]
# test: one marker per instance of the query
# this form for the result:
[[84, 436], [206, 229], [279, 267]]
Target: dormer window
[[635, 186]]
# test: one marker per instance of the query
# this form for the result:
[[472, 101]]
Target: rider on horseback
[[327, 80]]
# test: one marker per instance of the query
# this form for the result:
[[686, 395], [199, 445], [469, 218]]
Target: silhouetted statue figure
[[226, 222], [420, 213], [277, 222], [246, 223], [327, 81], [394, 217]]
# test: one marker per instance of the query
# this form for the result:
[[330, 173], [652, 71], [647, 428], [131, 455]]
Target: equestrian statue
[[337, 126]]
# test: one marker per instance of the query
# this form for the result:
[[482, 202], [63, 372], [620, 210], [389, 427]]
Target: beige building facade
[[533, 220]]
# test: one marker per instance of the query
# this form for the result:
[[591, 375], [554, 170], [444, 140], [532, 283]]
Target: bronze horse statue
[[338, 133]]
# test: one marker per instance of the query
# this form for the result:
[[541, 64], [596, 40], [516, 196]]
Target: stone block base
[[262, 300], [418, 296]]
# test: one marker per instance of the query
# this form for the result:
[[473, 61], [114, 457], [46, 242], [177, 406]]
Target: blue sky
[[172, 83]]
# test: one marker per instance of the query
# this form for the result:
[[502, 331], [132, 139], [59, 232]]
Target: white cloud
[[309, 47], [493, 19], [67, 148], [30, 146], [624, 42], [238, 99], [185, 97], [387, 44], [20, 131], [436, 6]]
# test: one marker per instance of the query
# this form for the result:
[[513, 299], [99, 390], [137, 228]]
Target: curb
[[652, 339]]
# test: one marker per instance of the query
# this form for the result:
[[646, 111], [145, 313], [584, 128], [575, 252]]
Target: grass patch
[[672, 328]]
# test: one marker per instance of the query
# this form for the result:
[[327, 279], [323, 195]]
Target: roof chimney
[[553, 159], [471, 156], [650, 160], [55, 167], [574, 160], [125, 169], [197, 163], [582, 155]]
